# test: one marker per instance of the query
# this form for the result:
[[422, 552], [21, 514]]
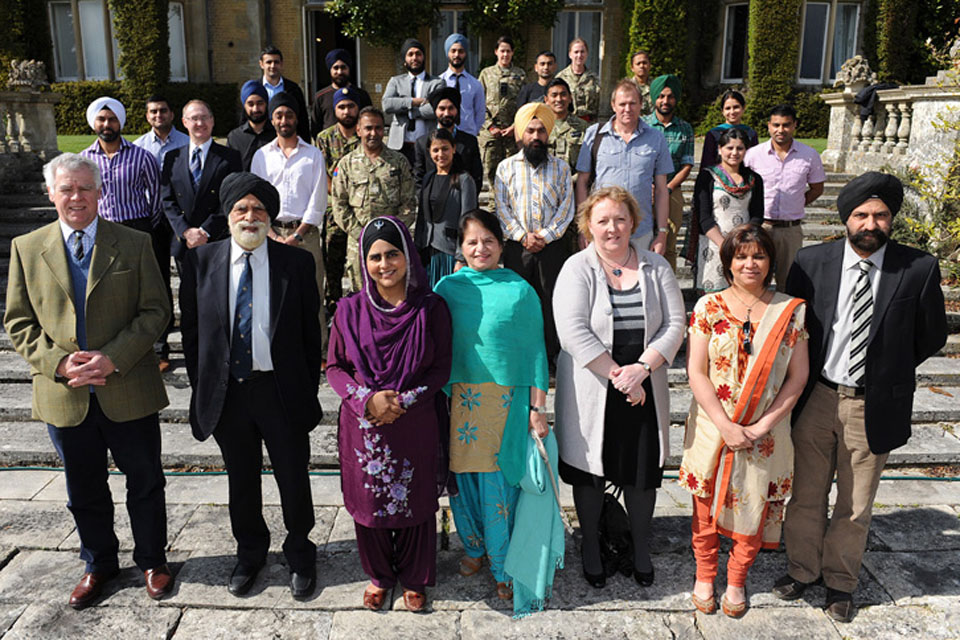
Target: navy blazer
[[909, 325], [185, 208], [295, 346]]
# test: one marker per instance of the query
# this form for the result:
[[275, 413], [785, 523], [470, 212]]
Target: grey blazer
[[397, 102], [584, 317], [442, 234]]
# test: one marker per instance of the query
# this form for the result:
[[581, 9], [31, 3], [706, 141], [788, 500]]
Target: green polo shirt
[[679, 135]]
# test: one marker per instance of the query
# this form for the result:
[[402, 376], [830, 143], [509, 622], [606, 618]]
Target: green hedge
[[71, 111], [773, 44], [896, 52], [813, 112], [142, 33]]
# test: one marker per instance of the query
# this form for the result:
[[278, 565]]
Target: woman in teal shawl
[[498, 389]]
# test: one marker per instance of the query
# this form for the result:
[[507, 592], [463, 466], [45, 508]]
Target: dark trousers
[[135, 447], [407, 555], [253, 416], [160, 235], [540, 270], [409, 151]]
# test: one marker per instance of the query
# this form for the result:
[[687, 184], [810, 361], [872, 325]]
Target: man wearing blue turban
[[472, 98]]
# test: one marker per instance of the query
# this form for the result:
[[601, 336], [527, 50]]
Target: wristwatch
[[663, 229], [298, 237], [534, 408], [645, 366]]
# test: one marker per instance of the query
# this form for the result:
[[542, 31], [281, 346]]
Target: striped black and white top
[[628, 318]]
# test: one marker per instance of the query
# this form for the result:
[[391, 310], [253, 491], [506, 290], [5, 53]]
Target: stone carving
[[855, 74], [27, 75]]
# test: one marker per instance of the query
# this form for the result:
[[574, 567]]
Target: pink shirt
[[785, 181]]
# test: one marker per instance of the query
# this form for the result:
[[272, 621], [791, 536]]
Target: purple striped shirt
[[131, 182]]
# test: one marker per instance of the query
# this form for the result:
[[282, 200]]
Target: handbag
[[616, 542]]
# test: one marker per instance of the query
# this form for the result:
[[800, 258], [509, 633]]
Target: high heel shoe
[[598, 581], [643, 578]]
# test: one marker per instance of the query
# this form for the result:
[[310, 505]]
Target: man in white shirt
[[473, 102], [298, 172], [407, 100]]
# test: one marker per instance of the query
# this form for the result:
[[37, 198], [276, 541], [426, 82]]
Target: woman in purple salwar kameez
[[389, 356]]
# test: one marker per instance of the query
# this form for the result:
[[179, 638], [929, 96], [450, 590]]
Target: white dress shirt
[[835, 366], [260, 264], [204, 151], [301, 180]]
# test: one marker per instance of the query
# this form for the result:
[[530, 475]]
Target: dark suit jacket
[[467, 148], [909, 325], [303, 116], [184, 208], [439, 229], [294, 333]]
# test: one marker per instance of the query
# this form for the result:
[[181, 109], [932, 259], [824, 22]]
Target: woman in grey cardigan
[[620, 319]]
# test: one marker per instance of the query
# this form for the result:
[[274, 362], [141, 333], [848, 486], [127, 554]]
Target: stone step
[[26, 187], [37, 214]]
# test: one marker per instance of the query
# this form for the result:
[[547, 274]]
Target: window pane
[[438, 57], [571, 24], [563, 32], [735, 42], [844, 36], [64, 44], [178, 51], [94, 40], [814, 35]]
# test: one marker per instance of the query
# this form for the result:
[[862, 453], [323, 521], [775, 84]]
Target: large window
[[452, 21], [844, 35], [813, 44], [829, 39], [582, 24], [99, 45], [735, 42]]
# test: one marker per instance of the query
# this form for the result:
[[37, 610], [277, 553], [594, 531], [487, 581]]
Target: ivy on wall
[[142, 33], [896, 24], [659, 26], [773, 44]]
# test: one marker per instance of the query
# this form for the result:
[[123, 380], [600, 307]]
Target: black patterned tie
[[411, 125], [196, 169], [78, 245], [241, 349], [860, 324]]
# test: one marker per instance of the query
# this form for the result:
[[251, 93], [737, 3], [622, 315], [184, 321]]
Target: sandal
[[732, 610], [414, 600], [504, 591], [469, 566], [707, 606], [373, 597]]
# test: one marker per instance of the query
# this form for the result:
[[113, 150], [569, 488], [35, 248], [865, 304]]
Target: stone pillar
[[890, 133], [903, 133], [844, 130], [31, 125]]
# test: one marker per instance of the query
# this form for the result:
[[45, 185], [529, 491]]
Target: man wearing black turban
[[874, 313], [340, 63], [446, 103], [251, 341], [407, 100]]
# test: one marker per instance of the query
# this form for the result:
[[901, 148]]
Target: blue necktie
[[195, 168], [78, 246], [241, 349]]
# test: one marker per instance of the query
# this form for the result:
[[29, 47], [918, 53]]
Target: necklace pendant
[[618, 272]]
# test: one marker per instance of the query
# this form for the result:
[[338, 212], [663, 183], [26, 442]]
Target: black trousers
[[135, 447], [540, 270], [253, 416], [160, 235]]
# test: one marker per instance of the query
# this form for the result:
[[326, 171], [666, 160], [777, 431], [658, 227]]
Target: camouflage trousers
[[493, 151]]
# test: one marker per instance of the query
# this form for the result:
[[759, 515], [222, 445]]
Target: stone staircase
[[24, 206]]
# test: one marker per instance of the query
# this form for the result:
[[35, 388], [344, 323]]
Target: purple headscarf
[[387, 344]]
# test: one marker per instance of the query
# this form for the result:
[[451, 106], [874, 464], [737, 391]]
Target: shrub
[[773, 42], [813, 112], [71, 111], [658, 27], [142, 33]]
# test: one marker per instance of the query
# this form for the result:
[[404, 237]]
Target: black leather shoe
[[786, 588], [840, 605], [302, 585], [242, 578], [598, 581], [643, 578]]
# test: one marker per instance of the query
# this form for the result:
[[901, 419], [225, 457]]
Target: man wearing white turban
[[131, 189]]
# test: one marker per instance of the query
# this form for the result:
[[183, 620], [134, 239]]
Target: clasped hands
[[533, 242], [194, 237], [81, 368], [383, 408], [739, 438], [628, 380]]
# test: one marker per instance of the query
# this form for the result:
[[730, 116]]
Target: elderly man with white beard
[[252, 344]]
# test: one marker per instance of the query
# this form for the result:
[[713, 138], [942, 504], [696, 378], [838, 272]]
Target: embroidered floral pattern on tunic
[[389, 478], [407, 398], [470, 399], [357, 392], [466, 433]]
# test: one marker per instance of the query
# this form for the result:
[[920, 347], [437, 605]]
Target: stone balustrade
[[900, 131], [27, 122]]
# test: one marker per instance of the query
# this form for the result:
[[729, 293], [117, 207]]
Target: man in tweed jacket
[[85, 303]]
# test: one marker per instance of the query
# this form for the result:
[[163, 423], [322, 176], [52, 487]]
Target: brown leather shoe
[[164, 364], [89, 588], [414, 600], [840, 605], [159, 581]]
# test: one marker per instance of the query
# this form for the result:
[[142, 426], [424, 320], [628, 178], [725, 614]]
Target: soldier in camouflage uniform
[[370, 181], [640, 65], [501, 85], [584, 84], [336, 142], [565, 139]]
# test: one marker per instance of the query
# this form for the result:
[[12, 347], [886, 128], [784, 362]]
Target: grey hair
[[70, 162]]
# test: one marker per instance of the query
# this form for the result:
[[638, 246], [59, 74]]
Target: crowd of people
[[801, 361]]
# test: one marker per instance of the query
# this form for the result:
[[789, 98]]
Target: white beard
[[249, 240]]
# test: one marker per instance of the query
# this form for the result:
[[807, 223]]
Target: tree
[[142, 33], [384, 23]]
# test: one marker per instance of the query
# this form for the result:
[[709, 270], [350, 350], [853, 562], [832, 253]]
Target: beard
[[249, 240], [447, 122], [258, 118], [535, 153], [414, 70], [868, 240], [108, 135], [348, 123], [457, 64]]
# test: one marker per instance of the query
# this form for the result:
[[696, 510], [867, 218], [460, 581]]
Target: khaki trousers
[[312, 242], [786, 241], [673, 223], [830, 438]]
